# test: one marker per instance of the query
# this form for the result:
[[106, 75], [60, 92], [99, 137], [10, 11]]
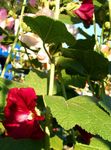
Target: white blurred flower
[[3, 24], [32, 40], [46, 12], [42, 56]]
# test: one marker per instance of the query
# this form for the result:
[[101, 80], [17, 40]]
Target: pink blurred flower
[[21, 118], [3, 14], [3, 47], [32, 3], [4, 20], [85, 11], [1, 38]]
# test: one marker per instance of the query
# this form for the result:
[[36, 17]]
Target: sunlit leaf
[[82, 111]]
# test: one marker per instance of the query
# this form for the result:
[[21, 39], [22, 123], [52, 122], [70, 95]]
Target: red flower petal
[[21, 119], [28, 129], [85, 11]]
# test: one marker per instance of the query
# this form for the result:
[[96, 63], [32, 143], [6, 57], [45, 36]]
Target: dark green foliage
[[52, 32], [95, 65]]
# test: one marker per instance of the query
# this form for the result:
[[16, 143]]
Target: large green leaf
[[22, 144], [95, 144], [71, 64], [95, 64], [56, 143], [49, 30], [74, 80], [106, 103], [37, 80], [82, 111], [100, 143], [85, 44]]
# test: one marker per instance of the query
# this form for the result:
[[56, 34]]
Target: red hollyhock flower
[[85, 11], [21, 119]]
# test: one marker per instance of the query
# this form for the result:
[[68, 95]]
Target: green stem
[[110, 17], [103, 88], [95, 33], [89, 82], [51, 82], [16, 39], [48, 54], [57, 9], [48, 119], [84, 33]]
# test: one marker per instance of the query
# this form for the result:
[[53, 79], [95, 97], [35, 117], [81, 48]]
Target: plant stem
[[57, 9], [51, 85], [89, 82], [48, 119], [109, 1], [47, 52], [95, 33], [51, 82], [16, 39]]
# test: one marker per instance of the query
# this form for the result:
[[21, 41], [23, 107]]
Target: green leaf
[[80, 146], [2, 129], [71, 64], [85, 44], [37, 80], [82, 111], [95, 144], [56, 143], [2, 31], [74, 80], [95, 64], [66, 19], [105, 103], [21, 144], [100, 143], [99, 2], [49, 30]]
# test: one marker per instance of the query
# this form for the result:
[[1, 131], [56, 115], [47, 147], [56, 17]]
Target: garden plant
[[55, 77]]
